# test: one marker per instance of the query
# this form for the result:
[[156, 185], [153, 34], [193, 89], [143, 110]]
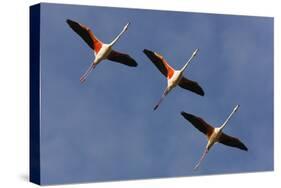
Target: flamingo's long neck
[[118, 36], [228, 118], [189, 60]]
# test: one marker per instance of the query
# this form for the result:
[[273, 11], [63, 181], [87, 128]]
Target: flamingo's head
[[126, 26], [236, 107], [195, 52]]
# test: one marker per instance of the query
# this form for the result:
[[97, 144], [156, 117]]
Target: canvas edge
[[34, 94]]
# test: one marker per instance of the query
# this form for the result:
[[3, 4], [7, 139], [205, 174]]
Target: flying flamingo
[[214, 135], [174, 77], [101, 50]]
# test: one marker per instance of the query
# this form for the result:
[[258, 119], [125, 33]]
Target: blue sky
[[106, 129]]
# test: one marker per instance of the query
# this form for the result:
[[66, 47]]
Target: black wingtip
[[69, 22], [72, 23], [244, 148], [135, 64], [132, 63], [201, 92], [182, 112], [187, 116], [146, 51]]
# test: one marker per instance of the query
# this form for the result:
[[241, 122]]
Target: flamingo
[[214, 135], [101, 50], [174, 77]]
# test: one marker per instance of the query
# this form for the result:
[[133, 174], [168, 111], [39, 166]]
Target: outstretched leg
[[199, 162], [162, 97], [88, 71]]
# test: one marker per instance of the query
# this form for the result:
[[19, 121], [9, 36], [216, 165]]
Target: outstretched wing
[[86, 34], [232, 141], [198, 123], [191, 86], [122, 58], [160, 63]]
